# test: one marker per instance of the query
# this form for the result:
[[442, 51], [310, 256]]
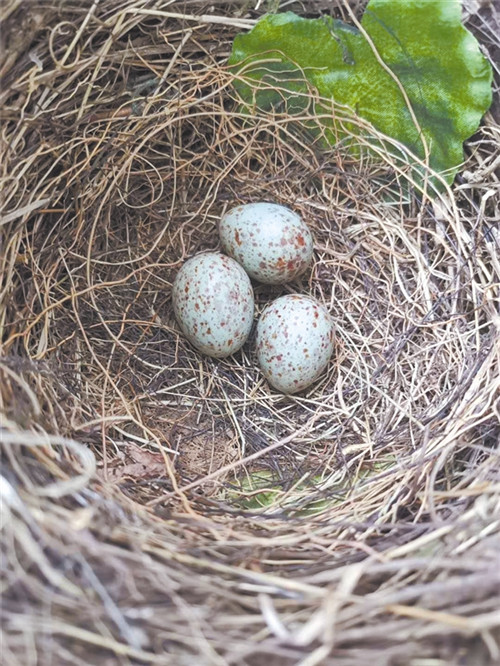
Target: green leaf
[[255, 491], [432, 87], [260, 490]]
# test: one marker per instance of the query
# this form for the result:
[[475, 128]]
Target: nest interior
[[162, 507]]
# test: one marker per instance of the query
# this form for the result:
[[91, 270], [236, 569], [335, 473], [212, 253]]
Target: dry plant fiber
[[133, 529]]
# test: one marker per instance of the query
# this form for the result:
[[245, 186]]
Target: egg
[[270, 241], [294, 339], [213, 302]]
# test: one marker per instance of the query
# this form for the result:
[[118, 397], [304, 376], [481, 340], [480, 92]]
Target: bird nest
[[162, 507]]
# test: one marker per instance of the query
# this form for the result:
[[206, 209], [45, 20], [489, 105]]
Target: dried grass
[[127, 535]]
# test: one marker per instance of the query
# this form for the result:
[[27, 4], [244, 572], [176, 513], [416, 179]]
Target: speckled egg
[[213, 303], [270, 241], [294, 342]]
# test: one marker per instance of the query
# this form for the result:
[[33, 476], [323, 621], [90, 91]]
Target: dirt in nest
[[189, 449]]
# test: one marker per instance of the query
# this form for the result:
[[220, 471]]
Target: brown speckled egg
[[213, 303], [294, 342], [270, 241]]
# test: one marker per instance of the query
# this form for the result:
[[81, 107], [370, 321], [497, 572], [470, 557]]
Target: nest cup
[[168, 508]]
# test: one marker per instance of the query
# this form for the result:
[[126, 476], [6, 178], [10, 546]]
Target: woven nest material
[[161, 507]]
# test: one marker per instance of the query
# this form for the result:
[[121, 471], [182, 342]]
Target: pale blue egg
[[213, 303], [295, 341], [270, 241]]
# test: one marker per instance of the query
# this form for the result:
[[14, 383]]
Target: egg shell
[[294, 339], [270, 241], [213, 303]]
